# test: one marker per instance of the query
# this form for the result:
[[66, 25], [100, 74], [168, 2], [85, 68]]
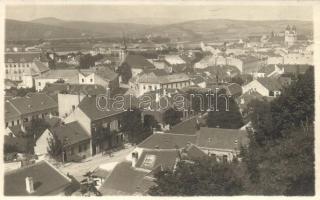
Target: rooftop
[[25, 57], [138, 61], [72, 133], [270, 83], [32, 102], [218, 138], [47, 180], [151, 159], [123, 180], [167, 141], [89, 106], [86, 89]]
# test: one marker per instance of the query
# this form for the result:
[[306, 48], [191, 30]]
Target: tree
[[172, 116], [230, 118], [55, 147], [202, 177], [237, 79], [125, 72], [280, 156], [88, 185], [132, 125], [36, 127], [150, 122]]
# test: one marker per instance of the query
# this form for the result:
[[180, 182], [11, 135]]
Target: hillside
[[50, 28]]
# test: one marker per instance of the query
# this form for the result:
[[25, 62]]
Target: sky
[[158, 14]]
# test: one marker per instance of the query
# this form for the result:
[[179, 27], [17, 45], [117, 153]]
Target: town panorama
[[155, 100]]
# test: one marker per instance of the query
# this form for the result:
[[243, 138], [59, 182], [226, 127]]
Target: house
[[54, 89], [146, 82], [21, 110], [75, 141], [101, 76], [251, 63], [137, 64], [103, 124], [167, 141], [269, 71], [205, 62], [174, 63], [223, 144], [269, 87], [39, 179], [24, 66], [161, 100]]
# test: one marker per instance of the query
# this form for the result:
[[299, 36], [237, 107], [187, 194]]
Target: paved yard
[[79, 169]]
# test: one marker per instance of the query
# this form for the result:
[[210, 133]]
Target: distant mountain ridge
[[53, 28]]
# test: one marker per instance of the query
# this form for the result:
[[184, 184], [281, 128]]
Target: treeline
[[279, 159]]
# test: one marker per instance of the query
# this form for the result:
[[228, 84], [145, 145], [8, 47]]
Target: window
[[82, 80], [7, 124], [73, 107], [80, 148], [12, 123], [26, 119], [149, 161], [72, 150], [39, 83], [18, 122], [7, 71], [91, 80], [144, 87], [225, 158]]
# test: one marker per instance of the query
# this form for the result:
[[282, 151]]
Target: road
[[79, 169]]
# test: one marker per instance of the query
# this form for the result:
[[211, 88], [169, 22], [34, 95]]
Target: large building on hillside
[[24, 67]]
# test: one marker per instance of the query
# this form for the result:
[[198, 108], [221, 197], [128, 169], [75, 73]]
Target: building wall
[[90, 79], [40, 83], [78, 151], [135, 71], [79, 116], [28, 81], [255, 86], [41, 145], [275, 60], [14, 71], [220, 153], [67, 103]]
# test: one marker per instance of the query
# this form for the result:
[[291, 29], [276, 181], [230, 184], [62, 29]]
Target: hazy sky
[[156, 13]]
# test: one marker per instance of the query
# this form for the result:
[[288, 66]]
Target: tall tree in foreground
[[203, 177], [280, 157]]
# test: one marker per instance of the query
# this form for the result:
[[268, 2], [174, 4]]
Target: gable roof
[[40, 67], [165, 159], [270, 83], [47, 179], [32, 102], [167, 141], [66, 88], [10, 111], [69, 75], [187, 127], [218, 138], [89, 106], [25, 57], [106, 73], [123, 180], [138, 61], [233, 89], [71, 133]]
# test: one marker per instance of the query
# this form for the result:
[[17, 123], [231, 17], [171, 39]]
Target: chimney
[[134, 158], [29, 184]]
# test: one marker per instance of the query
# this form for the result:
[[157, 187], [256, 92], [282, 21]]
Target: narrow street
[[79, 169]]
